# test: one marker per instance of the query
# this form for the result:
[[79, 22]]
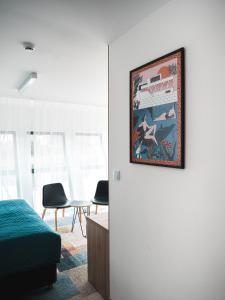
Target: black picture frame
[[157, 111]]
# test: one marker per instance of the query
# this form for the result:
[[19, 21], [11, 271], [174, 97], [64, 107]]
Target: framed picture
[[157, 112]]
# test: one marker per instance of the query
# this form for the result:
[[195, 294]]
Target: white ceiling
[[71, 38]]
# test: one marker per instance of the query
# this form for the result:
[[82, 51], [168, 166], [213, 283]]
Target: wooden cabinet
[[98, 253]]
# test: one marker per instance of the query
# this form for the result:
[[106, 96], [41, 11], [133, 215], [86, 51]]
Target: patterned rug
[[72, 257], [72, 283]]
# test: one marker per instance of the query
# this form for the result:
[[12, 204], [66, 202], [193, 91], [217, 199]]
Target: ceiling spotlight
[[30, 79], [28, 46]]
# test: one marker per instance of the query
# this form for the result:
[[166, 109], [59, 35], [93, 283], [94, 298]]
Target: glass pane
[[48, 163], [8, 187], [48, 151], [91, 154], [91, 161], [8, 178], [7, 148]]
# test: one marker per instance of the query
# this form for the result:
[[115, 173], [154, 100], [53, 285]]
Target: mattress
[[26, 241]]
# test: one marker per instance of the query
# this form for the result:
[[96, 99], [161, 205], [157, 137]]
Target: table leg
[[79, 212], [74, 218], [79, 216]]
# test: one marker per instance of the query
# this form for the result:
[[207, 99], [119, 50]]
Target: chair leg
[[56, 219], [96, 209], [43, 214], [63, 212]]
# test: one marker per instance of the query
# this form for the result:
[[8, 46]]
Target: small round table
[[78, 209]]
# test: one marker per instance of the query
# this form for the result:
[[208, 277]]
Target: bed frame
[[25, 281]]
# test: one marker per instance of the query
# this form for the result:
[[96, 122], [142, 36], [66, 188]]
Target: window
[[9, 185], [48, 163], [91, 151], [92, 162]]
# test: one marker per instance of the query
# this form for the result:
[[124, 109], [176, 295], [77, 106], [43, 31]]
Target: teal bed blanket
[[26, 241]]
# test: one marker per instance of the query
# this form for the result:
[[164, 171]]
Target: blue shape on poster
[[156, 129]]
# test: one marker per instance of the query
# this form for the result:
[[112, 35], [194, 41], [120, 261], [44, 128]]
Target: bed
[[29, 248]]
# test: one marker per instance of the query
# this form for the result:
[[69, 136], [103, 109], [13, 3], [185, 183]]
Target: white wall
[[167, 226]]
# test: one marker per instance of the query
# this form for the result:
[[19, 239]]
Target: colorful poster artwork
[[157, 112]]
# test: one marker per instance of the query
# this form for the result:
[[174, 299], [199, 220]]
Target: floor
[[72, 283]]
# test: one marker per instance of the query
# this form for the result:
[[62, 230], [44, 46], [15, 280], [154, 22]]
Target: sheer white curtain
[[8, 165], [90, 162], [46, 142]]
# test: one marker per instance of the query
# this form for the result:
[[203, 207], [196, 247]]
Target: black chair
[[102, 194], [54, 197]]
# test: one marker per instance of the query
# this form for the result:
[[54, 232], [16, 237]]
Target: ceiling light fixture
[[30, 79], [28, 46]]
